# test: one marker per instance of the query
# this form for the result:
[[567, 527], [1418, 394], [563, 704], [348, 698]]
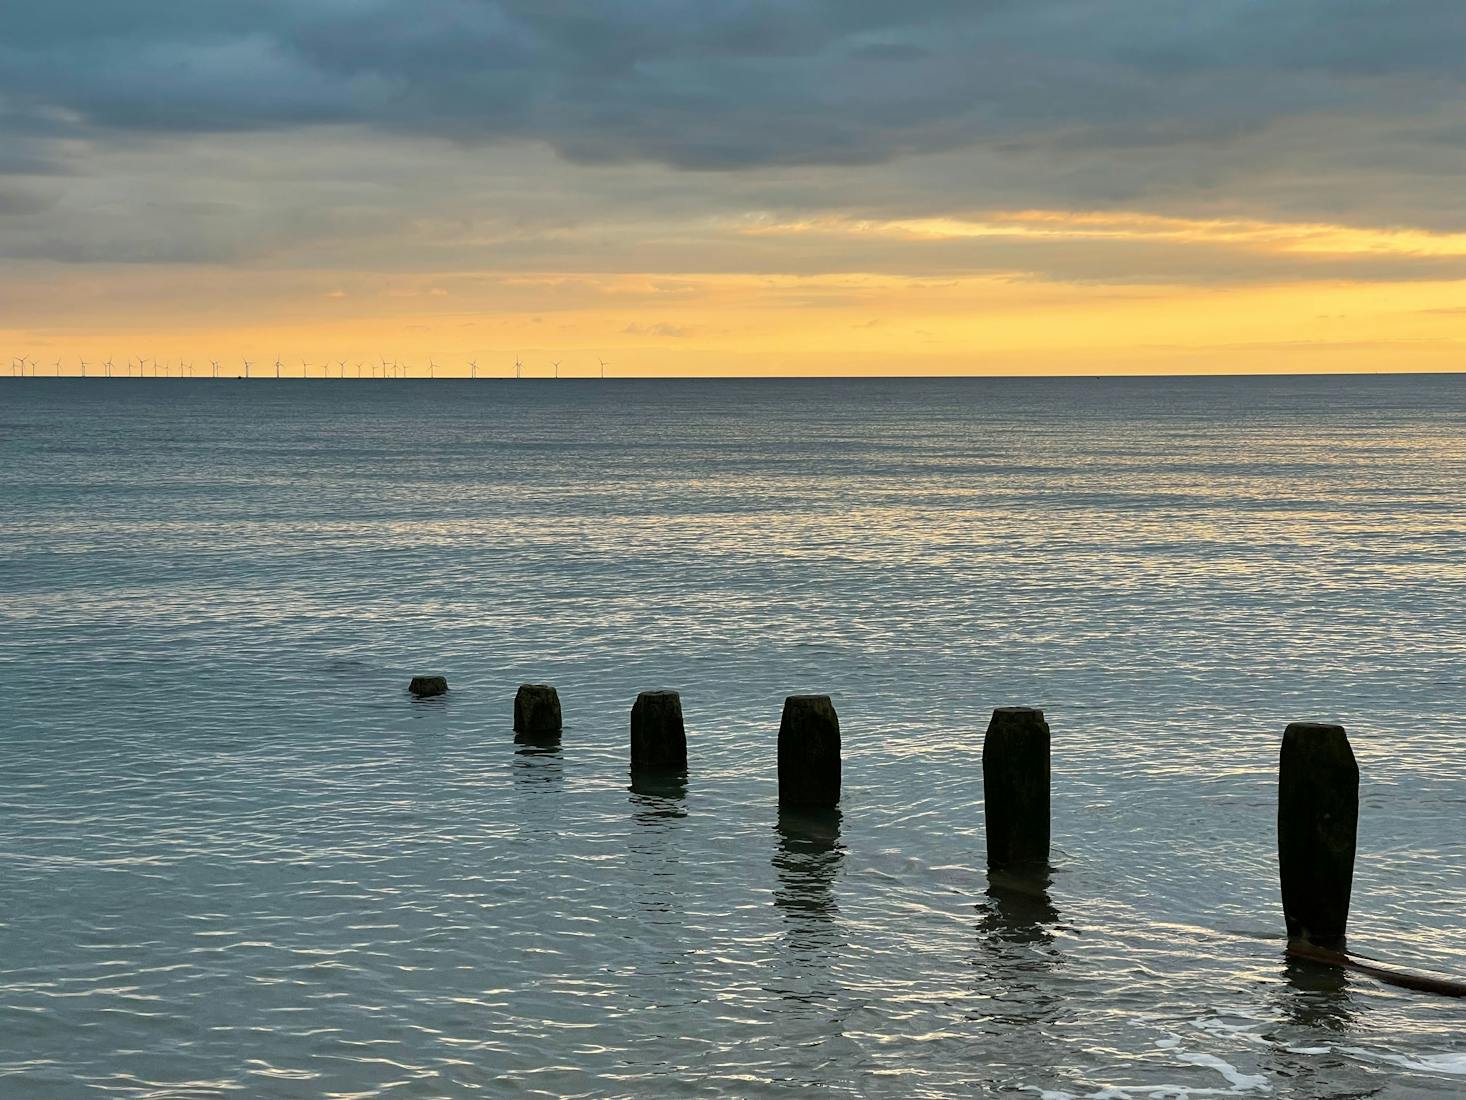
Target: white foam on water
[[1242, 1082], [1451, 1064], [1219, 1027], [1238, 1082], [1125, 1092]]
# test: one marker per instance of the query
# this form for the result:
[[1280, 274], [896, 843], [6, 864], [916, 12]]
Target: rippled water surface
[[237, 859]]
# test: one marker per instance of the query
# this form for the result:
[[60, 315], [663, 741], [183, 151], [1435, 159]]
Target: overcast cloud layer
[[122, 124]]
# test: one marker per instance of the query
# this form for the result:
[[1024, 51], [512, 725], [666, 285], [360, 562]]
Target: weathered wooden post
[[809, 752], [1015, 787], [1318, 821], [424, 687], [537, 712], [658, 737]]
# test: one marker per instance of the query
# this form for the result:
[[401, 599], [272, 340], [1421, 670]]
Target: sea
[[238, 859]]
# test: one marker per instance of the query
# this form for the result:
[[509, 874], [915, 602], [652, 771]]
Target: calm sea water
[[236, 859]]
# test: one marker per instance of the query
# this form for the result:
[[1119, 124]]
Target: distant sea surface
[[238, 860]]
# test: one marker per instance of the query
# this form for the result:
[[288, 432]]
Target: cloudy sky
[[730, 186]]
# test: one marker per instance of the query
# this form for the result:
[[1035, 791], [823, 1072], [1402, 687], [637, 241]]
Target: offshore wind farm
[[22, 366]]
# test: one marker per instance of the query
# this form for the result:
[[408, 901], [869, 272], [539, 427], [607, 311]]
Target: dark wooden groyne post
[[537, 712], [658, 737], [809, 752], [425, 687], [1015, 784], [1318, 822]]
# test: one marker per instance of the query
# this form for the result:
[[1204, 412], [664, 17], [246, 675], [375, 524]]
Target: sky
[[709, 187]]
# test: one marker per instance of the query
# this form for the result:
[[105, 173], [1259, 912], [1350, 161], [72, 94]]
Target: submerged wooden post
[[537, 711], [809, 752], [658, 738], [1015, 787], [1318, 821], [426, 686]]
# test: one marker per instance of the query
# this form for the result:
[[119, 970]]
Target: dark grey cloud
[[726, 84]]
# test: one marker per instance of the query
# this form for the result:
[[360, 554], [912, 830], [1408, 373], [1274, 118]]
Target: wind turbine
[[83, 368], [557, 368], [108, 365], [472, 369], [246, 368], [342, 364], [432, 368], [358, 370], [305, 369], [214, 366], [142, 365], [277, 365], [602, 362], [518, 368], [56, 368]]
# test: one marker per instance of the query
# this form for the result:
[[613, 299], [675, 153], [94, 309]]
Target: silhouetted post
[[809, 752], [658, 738], [1015, 786], [537, 711], [1318, 820], [426, 686]]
